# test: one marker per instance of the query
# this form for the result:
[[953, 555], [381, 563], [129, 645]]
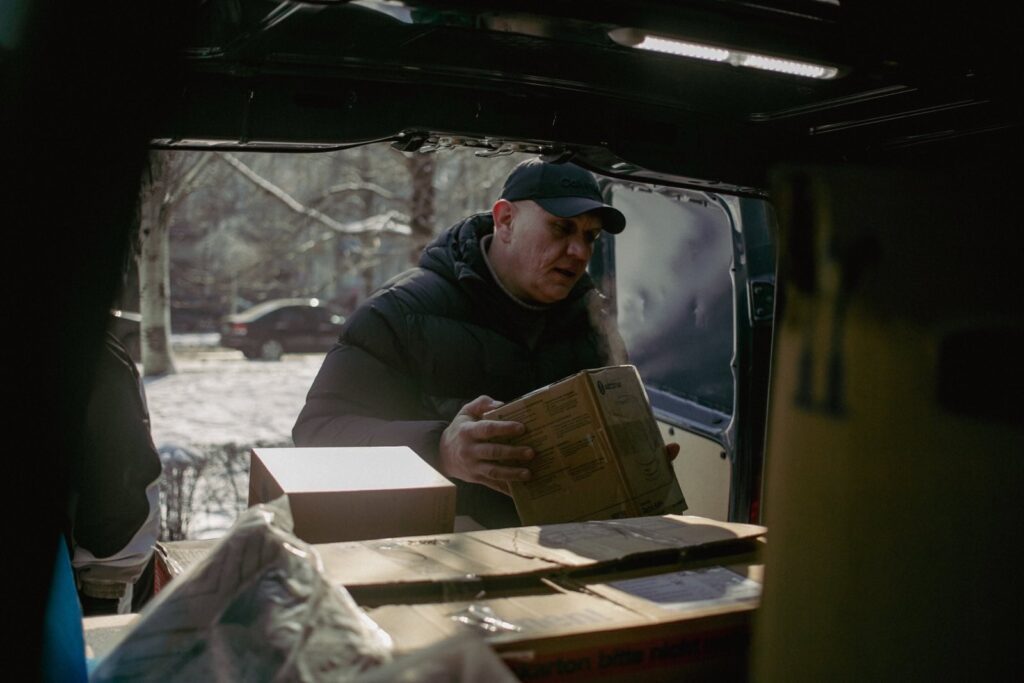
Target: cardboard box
[[174, 557], [348, 494], [547, 549], [682, 625], [518, 560], [599, 454], [503, 561]]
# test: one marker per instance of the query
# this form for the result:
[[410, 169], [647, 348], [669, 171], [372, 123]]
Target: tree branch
[[279, 194], [369, 225], [189, 181], [381, 192], [390, 221]]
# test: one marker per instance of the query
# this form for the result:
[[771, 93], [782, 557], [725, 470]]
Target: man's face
[[546, 255]]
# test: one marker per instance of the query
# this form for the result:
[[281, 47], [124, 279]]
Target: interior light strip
[[682, 48], [787, 66]]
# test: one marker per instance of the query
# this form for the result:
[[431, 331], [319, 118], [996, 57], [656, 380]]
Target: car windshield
[[261, 309]]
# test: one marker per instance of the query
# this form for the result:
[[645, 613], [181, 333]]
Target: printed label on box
[[685, 590]]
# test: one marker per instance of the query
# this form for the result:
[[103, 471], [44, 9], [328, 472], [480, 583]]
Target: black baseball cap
[[564, 190]]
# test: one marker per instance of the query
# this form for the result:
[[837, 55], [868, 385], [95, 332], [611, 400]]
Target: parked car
[[272, 328], [194, 318]]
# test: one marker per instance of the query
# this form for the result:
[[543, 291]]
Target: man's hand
[[469, 453], [671, 451]]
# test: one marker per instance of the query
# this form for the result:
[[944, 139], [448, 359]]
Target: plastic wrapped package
[[256, 608]]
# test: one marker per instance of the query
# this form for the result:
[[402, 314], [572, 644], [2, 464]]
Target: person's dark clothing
[[116, 509], [436, 337]]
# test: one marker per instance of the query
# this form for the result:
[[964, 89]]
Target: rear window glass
[[674, 293]]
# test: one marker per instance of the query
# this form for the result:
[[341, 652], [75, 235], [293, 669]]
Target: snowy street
[[220, 397]]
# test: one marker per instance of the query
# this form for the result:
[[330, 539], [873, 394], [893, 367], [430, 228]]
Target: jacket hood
[[456, 253]]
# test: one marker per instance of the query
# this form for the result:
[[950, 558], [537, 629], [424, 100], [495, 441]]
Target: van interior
[[831, 324]]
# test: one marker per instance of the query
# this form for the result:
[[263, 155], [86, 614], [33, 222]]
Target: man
[[500, 305]]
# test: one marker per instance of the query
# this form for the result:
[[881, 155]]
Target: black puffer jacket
[[435, 338]]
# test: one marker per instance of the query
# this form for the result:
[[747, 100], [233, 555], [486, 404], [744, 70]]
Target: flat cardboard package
[[599, 454], [350, 494], [692, 624], [425, 568], [518, 559]]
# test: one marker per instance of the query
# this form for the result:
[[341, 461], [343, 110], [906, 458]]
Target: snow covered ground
[[217, 407], [219, 397]]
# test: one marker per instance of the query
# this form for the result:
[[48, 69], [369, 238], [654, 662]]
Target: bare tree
[[170, 177], [421, 201]]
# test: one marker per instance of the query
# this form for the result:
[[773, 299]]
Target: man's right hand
[[469, 453]]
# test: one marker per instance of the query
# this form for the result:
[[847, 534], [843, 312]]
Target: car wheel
[[271, 350]]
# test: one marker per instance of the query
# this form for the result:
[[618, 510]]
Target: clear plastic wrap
[[256, 608], [483, 618]]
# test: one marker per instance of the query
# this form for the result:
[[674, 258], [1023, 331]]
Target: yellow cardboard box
[[599, 454]]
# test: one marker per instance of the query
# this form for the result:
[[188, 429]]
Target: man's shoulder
[[417, 277], [397, 307], [418, 290]]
